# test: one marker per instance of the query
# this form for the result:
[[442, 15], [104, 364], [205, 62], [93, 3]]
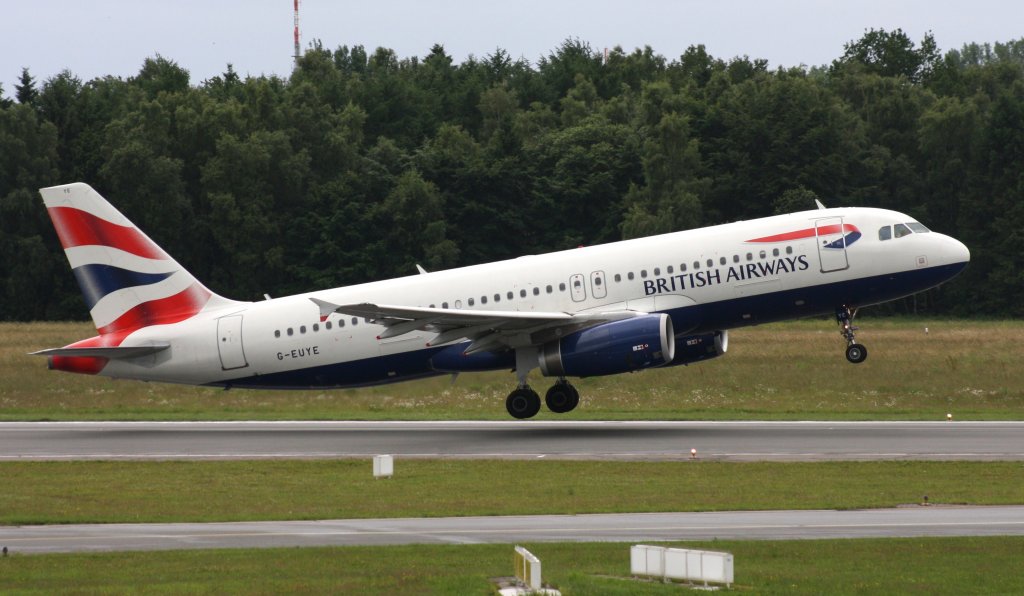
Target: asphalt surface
[[753, 525], [639, 441]]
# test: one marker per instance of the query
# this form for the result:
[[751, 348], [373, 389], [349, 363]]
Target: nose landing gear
[[855, 352]]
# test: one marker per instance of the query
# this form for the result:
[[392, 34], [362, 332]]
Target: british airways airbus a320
[[614, 308]]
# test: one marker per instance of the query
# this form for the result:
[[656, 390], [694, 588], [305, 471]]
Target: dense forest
[[360, 165]]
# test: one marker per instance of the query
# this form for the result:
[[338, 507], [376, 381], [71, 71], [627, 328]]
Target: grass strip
[[787, 371], [989, 565], [209, 491]]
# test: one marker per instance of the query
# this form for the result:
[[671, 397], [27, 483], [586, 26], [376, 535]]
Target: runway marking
[[579, 530]]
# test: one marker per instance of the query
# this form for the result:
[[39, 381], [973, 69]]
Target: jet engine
[[610, 348]]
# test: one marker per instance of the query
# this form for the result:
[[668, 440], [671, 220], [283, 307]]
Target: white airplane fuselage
[[706, 280]]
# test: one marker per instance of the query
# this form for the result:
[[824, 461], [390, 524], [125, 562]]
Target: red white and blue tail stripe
[[128, 282]]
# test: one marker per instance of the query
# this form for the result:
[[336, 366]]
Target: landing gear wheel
[[856, 353], [562, 397], [523, 403]]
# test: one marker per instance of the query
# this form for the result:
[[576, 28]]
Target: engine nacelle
[[705, 346], [611, 348]]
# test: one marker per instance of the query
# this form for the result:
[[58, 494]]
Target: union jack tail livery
[[127, 280]]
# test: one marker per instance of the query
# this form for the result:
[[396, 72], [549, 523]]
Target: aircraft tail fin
[[127, 280]]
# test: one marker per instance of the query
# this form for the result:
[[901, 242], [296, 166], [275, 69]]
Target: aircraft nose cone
[[960, 252]]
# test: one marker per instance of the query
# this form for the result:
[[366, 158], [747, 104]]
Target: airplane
[[626, 306]]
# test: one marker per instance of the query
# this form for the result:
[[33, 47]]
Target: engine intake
[[611, 348]]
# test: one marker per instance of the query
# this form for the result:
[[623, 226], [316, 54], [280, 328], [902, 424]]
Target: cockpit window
[[885, 232], [918, 228], [901, 230]]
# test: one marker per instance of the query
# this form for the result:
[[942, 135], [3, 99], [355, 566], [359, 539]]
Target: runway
[[752, 525], [637, 441]]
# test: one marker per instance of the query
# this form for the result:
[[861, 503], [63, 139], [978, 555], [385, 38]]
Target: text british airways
[[700, 279]]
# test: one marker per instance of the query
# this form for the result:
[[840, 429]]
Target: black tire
[[562, 398], [523, 403], [856, 353]]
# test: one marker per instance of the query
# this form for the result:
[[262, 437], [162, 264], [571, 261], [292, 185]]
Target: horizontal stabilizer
[[112, 353]]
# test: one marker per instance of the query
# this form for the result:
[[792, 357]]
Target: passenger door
[[229, 342], [831, 244]]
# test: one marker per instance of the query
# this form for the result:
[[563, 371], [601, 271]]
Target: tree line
[[360, 165]]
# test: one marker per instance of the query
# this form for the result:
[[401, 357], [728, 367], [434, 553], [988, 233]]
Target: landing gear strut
[[855, 352], [525, 403]]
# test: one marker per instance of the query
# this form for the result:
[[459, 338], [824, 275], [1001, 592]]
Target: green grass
[[786, 371], [918, 565], [87, 492]]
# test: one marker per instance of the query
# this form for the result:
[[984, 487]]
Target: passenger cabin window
[[901, 230], [885, 233]]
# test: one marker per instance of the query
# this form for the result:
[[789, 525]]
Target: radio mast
[[298, 52]]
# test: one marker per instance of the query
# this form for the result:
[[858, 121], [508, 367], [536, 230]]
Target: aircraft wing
[[488, 329]]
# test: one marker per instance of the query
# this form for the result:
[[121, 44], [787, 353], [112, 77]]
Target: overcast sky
[[99, 37]]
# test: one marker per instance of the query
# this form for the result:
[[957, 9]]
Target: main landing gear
[[524, 402], [855, 352]]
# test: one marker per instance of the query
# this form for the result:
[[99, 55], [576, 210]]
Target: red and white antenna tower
[[298, 53]]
